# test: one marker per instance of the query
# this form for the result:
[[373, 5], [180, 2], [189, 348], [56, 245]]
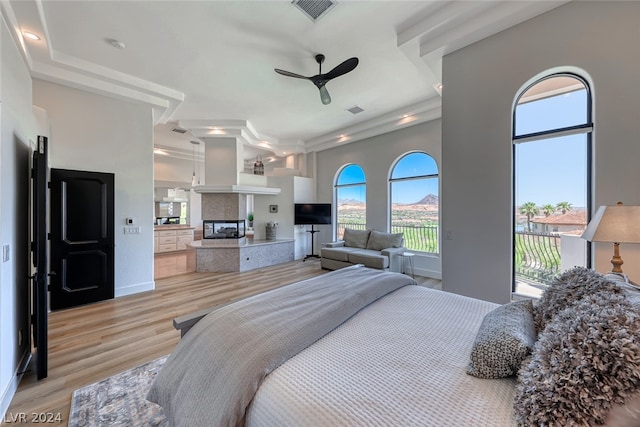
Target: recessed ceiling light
[[160, 151], [116, 43], [30, 36]]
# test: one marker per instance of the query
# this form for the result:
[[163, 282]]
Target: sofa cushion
[[379, 240], [339, 254], [356, 238], [369, 258]]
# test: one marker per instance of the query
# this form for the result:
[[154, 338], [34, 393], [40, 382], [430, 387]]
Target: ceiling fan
[[320, 80]]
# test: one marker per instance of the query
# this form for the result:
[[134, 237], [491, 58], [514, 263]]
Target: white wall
[[377, 155], [480, 84], [96, 133], [175, 170], [17, 129]]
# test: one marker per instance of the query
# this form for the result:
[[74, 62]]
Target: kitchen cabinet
[[172, 239]]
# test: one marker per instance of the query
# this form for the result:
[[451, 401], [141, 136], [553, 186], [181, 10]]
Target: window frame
[[584, 128], [337, 187], [392, 180]]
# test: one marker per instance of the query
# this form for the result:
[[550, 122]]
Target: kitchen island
[[228, 255]]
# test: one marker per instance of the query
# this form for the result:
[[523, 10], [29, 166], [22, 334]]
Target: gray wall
[[377, 155], [96, 133], [17, 125], [596, 39]]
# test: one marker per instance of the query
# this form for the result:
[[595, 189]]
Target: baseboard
[[10, 391], [134, 289], [428, 273]]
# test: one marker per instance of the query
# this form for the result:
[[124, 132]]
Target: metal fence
[[537, 257], [417, 238]]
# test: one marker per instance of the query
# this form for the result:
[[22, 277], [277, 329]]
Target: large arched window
[[552, 130], [350, 192], [414, 210]]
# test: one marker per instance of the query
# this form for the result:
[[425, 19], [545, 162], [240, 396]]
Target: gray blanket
[[214, 372]]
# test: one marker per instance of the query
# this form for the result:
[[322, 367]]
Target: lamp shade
[[618, 224]]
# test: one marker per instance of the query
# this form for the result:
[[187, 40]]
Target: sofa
[[372, 248]]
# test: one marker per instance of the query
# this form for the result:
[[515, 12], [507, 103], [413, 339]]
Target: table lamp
[[617, 224]]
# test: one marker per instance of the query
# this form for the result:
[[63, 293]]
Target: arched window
[[552, 130], [350, 192], [414, 210]]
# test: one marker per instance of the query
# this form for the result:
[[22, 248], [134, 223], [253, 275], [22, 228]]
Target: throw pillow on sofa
[[379, 240], [356, 238]]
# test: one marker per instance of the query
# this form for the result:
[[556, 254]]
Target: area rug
[[119, 400]]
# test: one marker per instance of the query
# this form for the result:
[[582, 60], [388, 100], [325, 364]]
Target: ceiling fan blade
[[341, 69], [324, 95], [290, 74]]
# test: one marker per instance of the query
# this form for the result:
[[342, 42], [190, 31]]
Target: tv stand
[[311, 255]]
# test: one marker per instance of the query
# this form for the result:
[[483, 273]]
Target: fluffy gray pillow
[[355, 238], [569, 287], [586, 359], [505, 338], [379, 240]]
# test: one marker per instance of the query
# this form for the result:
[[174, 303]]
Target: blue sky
[[404, 191], [554, 170], [548, 172]]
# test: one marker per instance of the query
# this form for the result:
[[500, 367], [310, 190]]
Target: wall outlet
[[132, 230]]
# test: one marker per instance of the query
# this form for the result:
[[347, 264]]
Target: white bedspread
[[400, 362]]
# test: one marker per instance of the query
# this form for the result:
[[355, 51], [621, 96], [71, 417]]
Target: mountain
[[349, 202], [429, 199]]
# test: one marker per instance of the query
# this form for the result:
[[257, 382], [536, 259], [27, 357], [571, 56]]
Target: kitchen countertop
[[173, 227]]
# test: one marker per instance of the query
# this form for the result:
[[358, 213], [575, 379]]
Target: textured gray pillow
[[568, 288], [379, 240], [355, 238], [505, 338], [586, 359]]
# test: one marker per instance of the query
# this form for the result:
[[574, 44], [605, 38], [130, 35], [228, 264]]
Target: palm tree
[[548, 209], [529, 209], [563, 207]]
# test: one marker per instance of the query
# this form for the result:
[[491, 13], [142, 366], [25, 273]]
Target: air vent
[[179, 130], [355, 109], [314, 9]]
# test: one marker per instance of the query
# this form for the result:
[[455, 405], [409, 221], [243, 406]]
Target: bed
[[355, 347]]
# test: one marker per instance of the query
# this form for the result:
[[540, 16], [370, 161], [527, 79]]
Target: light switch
[[5, 253]]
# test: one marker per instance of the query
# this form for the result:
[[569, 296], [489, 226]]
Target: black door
[[82, 237], [39, 257]]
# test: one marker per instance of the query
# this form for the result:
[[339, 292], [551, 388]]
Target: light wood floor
[[89, 343]]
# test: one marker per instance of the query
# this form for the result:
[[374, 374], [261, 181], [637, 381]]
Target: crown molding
[[412, 115]]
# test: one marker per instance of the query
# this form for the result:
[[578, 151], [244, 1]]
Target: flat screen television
[[312, 213]]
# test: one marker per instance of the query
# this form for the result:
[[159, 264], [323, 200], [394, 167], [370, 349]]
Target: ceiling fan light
[[324, 96]]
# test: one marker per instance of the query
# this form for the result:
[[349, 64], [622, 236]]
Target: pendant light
[[193, 156]]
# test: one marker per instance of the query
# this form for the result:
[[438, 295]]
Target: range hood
[[243, 187], [223, 170]]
